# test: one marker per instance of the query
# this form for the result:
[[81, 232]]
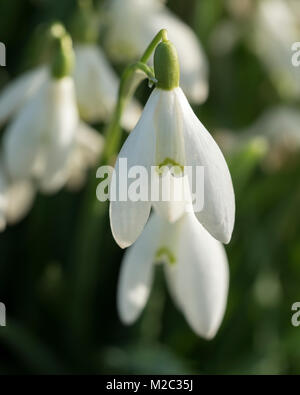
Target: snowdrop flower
[[96, 87], [41, 137], [16, 199], [167, 134], [132, 24], [273, 45], [195, 266]]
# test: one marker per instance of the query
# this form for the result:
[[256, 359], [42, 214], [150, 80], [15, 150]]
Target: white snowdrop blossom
[[168, 133], [132, 24], [16, 199], [195, 266], [38, 141], [97, 87]]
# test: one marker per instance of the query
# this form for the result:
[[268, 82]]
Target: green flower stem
[[85, 265], [161, 35]]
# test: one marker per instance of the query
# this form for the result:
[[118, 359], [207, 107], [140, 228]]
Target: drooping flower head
[[167, 134], [38, 141]]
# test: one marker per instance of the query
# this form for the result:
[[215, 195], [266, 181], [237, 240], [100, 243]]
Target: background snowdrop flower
[[132, 24], [97, 87], [167, 134], [196, 269], [16, 199], [41, 137]]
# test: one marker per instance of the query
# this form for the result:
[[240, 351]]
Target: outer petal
[[218, 213], [199, 277], [60, 132], [18, 91], [136, 275], [23, 137], [128, 218], [97, 87]]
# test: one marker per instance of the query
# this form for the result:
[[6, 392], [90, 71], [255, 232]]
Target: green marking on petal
[[165, 252], [169, 162]]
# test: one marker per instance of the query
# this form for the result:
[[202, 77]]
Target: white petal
[[97, 87], [60, 133], [20, 199], [22, 138], [136, 274], [175, 196], [128, 218], [218, 213], [19, 90], [199, 277]]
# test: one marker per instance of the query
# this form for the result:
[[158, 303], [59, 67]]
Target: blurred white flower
[[196, 269], [167, 134], [275, 28], [14, 96], [280, 127], [86, 153], [16, 199], [132, 24], [97, 87], [38, 141]]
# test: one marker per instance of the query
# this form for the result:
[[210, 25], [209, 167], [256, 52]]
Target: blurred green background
[[61, 307]]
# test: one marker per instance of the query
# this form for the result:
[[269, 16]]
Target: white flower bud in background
[[196, 270], [131, 25]]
